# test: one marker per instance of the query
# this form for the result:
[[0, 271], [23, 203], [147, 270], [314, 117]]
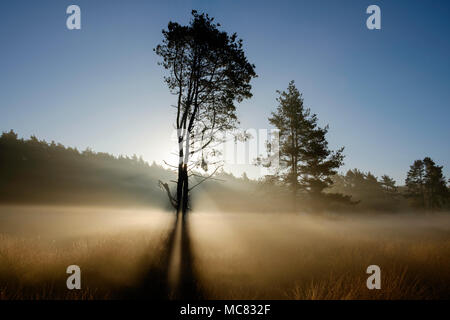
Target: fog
[[125, 253], [289, 256]]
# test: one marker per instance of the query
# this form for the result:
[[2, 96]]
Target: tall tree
[[426, 185], [305, 161], [415, 184], [435, 185], [290, 119], [208, 73]]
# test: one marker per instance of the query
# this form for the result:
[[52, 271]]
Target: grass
[[114, 250], [295, 257], [234, 256]]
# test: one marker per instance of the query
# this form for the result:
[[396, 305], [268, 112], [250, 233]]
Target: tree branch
[[172, 200], [206, 178]]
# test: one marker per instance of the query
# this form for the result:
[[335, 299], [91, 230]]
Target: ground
[[129, 253]]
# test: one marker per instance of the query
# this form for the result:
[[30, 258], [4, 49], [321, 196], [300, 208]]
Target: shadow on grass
[[154, 282]]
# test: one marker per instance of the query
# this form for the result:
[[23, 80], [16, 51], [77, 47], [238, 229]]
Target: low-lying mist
[[113, 247], [305, 257], [122, 253]]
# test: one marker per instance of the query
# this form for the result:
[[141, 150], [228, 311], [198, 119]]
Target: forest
[[34, 171]]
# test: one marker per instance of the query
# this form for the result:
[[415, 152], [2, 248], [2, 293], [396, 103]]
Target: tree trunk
[[185, 200], [294, 198], [179, 188]]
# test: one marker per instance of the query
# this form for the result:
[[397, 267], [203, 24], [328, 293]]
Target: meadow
[[123, 254], [299, 257]]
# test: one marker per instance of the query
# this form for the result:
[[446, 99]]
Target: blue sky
[[385, 93]]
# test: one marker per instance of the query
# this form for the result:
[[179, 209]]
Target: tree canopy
[[426, 185], [208, 73], [305, 161]]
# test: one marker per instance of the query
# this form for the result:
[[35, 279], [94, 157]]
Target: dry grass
[[245, 256], [287, 257], [112, 248]]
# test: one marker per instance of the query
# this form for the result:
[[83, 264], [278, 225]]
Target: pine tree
[[388, 185], [319, 162], [305, 161], [291, 121], [426, 185], [435, 186], [209, 73], [415, 184]]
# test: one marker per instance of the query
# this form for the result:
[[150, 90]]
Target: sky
[[384, 93]]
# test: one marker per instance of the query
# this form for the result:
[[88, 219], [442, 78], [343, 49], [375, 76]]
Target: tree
[[291, 120], [415, 184], [435, 185], [320, 163], [208, 73], [426, 185], [370, 192], [388, 184], [305, 161]]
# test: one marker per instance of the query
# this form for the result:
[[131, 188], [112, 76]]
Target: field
[[127, 254]]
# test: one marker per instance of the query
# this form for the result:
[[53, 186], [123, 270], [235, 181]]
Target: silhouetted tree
[[208, 72], [306, 162], [370, 192], [435, 185], [426, 185], [388, 184], [415, 184]]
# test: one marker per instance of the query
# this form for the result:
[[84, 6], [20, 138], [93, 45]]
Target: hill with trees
[[34, 171]]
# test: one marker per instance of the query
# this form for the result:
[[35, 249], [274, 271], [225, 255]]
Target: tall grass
[[296, 257], [234, 256], [114, 249]]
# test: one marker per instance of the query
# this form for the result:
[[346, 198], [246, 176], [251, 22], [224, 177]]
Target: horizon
[[166, 167]]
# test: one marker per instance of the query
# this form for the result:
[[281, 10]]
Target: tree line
[[35, 171], [307, 165]]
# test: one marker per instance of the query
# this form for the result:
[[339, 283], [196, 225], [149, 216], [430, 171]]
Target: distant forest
[[38, 172]]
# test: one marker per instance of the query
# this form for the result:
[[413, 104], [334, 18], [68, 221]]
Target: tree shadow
[[154, 282], [188, 286]]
